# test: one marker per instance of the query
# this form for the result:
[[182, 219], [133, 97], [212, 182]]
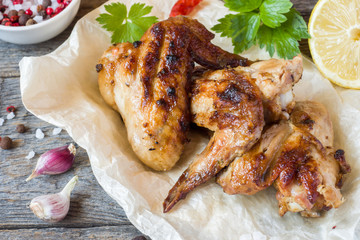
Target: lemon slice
[[334, 27]]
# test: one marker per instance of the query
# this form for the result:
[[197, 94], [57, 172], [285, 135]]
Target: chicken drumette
[[297, 156], [147, 82], [230, 103]]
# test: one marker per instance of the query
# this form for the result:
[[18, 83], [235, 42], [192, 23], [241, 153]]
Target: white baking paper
[[61, 88]]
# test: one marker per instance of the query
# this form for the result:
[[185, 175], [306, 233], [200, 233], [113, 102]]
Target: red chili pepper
[[10, 109], [183, 7]]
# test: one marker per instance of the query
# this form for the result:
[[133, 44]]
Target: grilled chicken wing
[[233, 110], [147, 82], [226, 102], [297, 156]]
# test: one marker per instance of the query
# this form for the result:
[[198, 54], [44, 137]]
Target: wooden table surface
[[93, 214]]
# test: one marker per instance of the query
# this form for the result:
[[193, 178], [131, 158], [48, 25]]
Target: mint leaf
[[245, 27], [126, 27], [242, 5], [295, 25], [272, 12]]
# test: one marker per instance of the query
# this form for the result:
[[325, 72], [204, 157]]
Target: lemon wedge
[[334, 27]]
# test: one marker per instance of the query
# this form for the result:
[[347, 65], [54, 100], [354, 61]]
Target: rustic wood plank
[[90, 205], [105, 233]]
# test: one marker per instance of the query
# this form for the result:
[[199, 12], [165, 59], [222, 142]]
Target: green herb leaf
[[246, 26], [242, 5], [295, 25], [272, 12], [126, 27], [273, 25], [224, 26]]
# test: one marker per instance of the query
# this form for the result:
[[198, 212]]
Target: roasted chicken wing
[[227, 102], [298, 158], [147, 82]]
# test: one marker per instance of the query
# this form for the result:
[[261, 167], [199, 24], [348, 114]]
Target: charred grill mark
[[162, 103], [152, 149], [231, 94], [147, 85], [171, 91], [308, 177], [171, 44], [151, 60], [339, 155], [171, 59], [137, 44]]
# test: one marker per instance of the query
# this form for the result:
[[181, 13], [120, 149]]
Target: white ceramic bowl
[[42, 31]]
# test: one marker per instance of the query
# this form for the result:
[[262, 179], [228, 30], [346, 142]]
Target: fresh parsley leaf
[[224, 26], [246, 26], [295, 25], [126, 27], [272, 12], [264, 38], [286, 46], [273, 24], [242, 5]]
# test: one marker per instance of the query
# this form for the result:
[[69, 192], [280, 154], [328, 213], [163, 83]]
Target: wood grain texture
[[93, 214]]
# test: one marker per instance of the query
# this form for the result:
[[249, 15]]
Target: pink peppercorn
[[49, 11], [15, 24], [58, 10], [59, 1], [29, 12]]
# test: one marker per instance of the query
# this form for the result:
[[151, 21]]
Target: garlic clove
[[54, 207], [54, 161]]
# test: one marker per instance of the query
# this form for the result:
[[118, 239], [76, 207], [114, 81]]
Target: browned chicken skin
[[147, 82], [230, 103], [233, 110], [297, 156]]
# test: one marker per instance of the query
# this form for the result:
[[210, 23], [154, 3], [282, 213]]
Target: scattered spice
[[28, 12], [11, 115], [20, 128], [56, 131], [10, 109], [30, 155], [39, 134], [6, 143]]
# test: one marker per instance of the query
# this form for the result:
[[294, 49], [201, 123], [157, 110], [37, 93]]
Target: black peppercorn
[[30, 22], [12, 13], [99, 67], [20, 128], [42, 13], [140, 238], [46, 3], [21, 12], [6, 143], [23, 19]]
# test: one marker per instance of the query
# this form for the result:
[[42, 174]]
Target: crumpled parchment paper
[[61, 88]]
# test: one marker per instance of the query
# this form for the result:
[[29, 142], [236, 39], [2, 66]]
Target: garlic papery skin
[[55, 161], [54, 207]]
